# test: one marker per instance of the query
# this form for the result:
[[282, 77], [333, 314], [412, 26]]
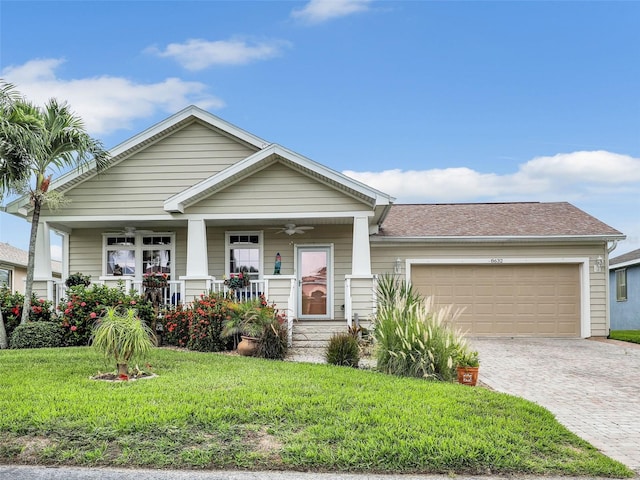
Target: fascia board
[[628, 263], [497, 239], [381, 198]]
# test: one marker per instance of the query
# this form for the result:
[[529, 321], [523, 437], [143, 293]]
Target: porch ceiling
[[170, 224]]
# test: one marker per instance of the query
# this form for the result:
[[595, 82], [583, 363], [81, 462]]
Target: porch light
[[397, 266], [599, 264]]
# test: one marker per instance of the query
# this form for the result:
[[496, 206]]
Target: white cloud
[[196, 54], [106, 103], [566, 176], [595, 166], [318, 11]]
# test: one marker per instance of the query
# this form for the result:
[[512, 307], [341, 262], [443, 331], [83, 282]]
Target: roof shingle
[[626, 257], [531, 219]]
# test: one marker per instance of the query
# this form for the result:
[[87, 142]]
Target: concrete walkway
[[592, 387]]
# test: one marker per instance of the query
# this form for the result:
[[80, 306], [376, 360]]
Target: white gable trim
[[178, 202], [149, 135]]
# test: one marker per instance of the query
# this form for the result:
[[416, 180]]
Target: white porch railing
[[172, 295], [251, 291]]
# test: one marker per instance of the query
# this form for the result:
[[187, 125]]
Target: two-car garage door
[[507, 300]]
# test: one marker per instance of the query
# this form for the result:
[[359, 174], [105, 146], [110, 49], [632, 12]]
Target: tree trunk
[[4, 344], [123, 369], [26, 308]]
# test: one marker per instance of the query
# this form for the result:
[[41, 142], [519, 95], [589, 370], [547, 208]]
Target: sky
[[429, 101]]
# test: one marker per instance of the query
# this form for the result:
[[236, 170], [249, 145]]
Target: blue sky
[[449, 101]]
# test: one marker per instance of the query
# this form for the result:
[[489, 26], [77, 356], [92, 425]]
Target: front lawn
[[216, 411], [632, 336]]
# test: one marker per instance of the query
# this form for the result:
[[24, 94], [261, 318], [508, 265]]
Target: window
[[5, 277], [244, 254], [621, 285], [138, 254]]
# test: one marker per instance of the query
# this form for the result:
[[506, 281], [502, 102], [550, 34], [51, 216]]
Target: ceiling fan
[[131, 231], [291, 228]]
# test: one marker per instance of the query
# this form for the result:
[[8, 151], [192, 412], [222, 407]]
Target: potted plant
[[155, 280], [467, 366], [77, 279], [121, 335], [237, 282], [252, 320]]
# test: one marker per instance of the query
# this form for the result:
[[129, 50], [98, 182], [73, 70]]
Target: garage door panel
[[507, 300]]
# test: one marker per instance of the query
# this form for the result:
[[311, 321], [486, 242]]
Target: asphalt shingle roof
[[14, 256], [626, 257], [531, 219]]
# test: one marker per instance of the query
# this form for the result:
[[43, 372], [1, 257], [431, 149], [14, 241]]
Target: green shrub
[[37, 335], [198, 326], [273, 342], [415, 340], [343, 349], [76, 279], [11, 305], [78, 313]]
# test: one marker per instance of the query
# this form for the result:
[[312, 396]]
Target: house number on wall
[[496, 260]]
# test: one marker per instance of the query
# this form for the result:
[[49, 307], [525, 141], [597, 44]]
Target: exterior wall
[[274, 189], [148, 177], [19, 276], [625, 315], [383, 258]]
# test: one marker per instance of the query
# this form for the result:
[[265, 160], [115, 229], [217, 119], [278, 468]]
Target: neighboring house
[[202, 199], [624, 284], [13, 267]]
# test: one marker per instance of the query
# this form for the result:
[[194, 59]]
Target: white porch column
[[361, 254], [197, 259], [42, 267]]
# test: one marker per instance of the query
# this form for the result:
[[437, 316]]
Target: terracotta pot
[[468, 375], [248, 346]]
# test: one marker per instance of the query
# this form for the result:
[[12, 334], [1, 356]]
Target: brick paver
[[593, 388]]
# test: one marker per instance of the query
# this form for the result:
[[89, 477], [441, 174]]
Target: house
[[13, 267], [202, 199], [624, 284]]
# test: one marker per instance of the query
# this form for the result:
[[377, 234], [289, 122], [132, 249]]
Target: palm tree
[[18, 122], [54, 140]]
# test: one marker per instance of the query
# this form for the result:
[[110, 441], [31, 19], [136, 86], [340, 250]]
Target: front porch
[[281, 290]]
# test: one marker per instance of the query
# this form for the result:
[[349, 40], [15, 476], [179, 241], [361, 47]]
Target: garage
[[507, 299]]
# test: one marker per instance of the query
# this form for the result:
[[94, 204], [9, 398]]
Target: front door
[[314, 274]]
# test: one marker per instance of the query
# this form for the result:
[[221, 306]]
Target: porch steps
[[315, 333]]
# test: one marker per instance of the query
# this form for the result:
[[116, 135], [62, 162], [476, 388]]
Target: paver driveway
[[592, 387]]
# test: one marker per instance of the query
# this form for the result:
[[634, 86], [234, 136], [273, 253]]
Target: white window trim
[[12, 275], [227, 247], [138, 248], [626, 288]]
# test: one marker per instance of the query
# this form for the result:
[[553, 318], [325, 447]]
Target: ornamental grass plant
[[413, 337]]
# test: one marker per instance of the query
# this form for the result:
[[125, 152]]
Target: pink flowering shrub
[[198, 326], [11, 305], [79, 312]]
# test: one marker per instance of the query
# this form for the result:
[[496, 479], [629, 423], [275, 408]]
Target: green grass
[[219, 411], [632, 336]]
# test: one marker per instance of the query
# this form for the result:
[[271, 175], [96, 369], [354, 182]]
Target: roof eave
[[497, 238]]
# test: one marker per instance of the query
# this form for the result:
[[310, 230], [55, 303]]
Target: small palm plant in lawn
[[121, 335]]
